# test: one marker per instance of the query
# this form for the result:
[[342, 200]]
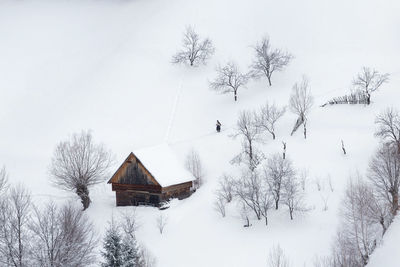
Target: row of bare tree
[[260, 189], [370, 204], [42, 236], [251, 125], [267, 60], [56, 236]]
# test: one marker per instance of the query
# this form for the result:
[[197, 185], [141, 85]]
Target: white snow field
[[105, 65]]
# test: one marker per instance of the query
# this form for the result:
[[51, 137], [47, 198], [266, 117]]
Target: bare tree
[[195, 51], [133, 253], [266, 202], [248, 188], [229, 79], [284, 150], [78, 164], [300, 103], [267, 116], [384, 173], [225, 189], [161, 222], [344, 150], [362, 213], [344, 253], [292, 196], [14, 228], [317, 182], [303, 174], [268, 60], [62, 236], [277, 257], [324, 199], [276, 171], [323, 262], [147, 259], [379, 211], [330, 183], [389, 127], [244, 213], [195, 167], [3, 181], [129, 224], [358, 228], [369, 80], [219, 204], [250, 156], [248, 130]]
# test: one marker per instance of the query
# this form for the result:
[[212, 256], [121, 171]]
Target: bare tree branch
[[248, 130], [62, 236], [161, 222], [249, 190], [219, 204], [300, 103], [292, 195], [194, 50], [225, 189], [277, 257], [358, 228], [268, 60], [267, 116], [78, 164], [384, 173], [14, 228], [229, 79], [3, 181], [369, 80], [194, 166], [389, 127], [276, 171]]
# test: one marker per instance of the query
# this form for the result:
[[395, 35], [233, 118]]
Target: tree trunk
[[276, 203], [395, 204], [269, 80], [83, 192], [382, 223], [235, 93], [291, 213], [368, 99], [247, 222], [284, 150], [273, 136], [250, 151], [266, 220], [305, 130]]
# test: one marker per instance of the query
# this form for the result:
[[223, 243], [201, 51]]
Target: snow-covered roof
[[164, 165]]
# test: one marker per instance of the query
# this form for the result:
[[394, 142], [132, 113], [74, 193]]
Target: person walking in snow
[[218, 126]]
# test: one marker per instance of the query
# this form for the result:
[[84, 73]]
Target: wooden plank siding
[[135, 185]]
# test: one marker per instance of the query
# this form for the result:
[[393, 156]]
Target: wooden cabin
[[150, 176]]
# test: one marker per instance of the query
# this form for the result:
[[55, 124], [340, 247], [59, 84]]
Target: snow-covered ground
[[388, 253], [105, 66]]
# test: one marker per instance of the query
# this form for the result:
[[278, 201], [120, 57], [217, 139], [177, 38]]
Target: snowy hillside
[[106, 66]]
